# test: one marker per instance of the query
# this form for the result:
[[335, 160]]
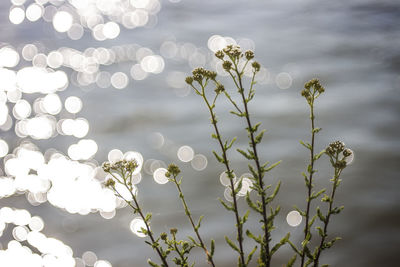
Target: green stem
[[310, 179], [181, 254], [335, 185], [260, 173], [229, 172], [139, 210], [195, 229]]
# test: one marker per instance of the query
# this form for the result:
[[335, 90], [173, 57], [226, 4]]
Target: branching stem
[[195, 228]]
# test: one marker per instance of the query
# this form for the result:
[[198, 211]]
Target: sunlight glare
[[62, 21]]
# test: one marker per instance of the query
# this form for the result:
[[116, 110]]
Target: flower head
[[219, 88], [249, 54], [256, 66], [172, 170], [227, 65], [219, 54]]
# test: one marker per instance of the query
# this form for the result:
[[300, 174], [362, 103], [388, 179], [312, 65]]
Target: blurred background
[[85, 81]]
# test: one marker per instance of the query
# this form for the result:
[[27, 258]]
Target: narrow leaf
[[231, 244]]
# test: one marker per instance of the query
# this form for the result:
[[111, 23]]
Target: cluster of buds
[[234, 53], [172, 170], [311, 87], [335, 148], [199, 74], [227, 65], [249, 54], [219, 88], [126, 166], [333, 151], [256, 66]]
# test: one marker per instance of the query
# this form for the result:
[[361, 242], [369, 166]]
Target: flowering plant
[[171, 250]]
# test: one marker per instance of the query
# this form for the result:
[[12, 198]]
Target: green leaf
[[302, 213], [292, 261], [273, 166], [274, 193], [250, 255], [337, 210], [247, 156], [199, 222], [316, 130], [306, 145], [311, 222], [315, 195], [194, 241], [237, 113], [259, 137], [245, 217], [231, 143], [212, 247], [294, 247], [253, 172], [226, 205], [251, 153], [320, 231], [148, 217], [265, 164], [252, 236], [320, 215], [310, 169], [231, 244], [255, 127], [316, 157], [239, 186], [152, 263], [280, 243], [326, 198], [307, 182], [252, 205], [220, 159]]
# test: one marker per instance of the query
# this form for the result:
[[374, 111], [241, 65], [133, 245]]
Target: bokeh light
[[3, 148], [119, 80], [199, 162], [159, 176], [62, 21], [34, 12], [136, 226], [225, 180], [73, 104], [8, 57], [294, 218], [283, 80], [17, 15], [185, 153]]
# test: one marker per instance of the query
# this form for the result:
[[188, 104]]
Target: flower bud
[[189, 80], [227, 65], [219, 54]]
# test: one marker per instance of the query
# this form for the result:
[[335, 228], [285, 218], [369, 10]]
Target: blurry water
[[351, 46]]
